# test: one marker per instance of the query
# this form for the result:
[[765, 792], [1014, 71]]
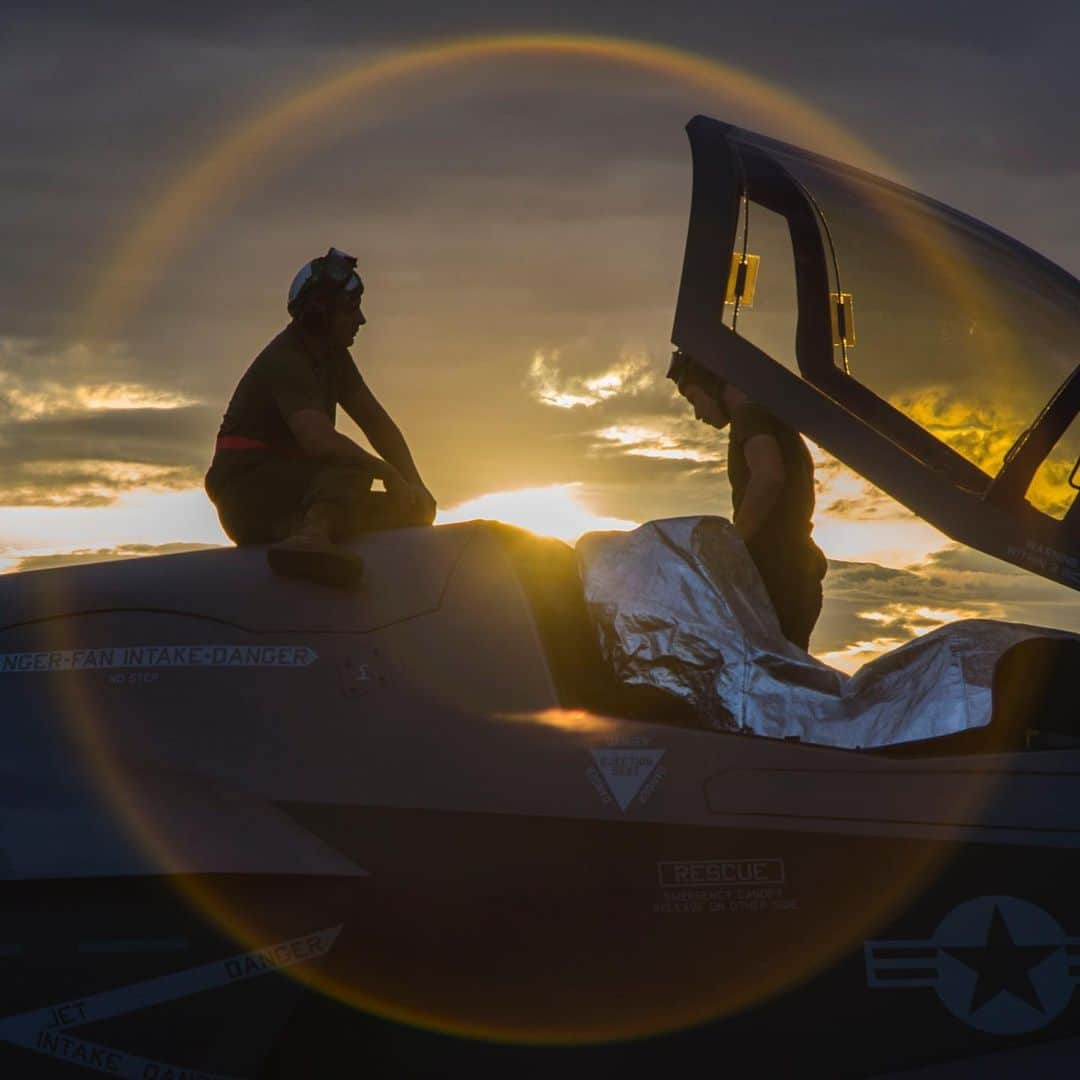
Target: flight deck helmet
[[683, 371], [319, 283]]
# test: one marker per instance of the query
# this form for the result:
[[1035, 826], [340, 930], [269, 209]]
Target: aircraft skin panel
[[846, 418], [228, 585]]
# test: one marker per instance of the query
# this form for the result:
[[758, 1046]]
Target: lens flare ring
[[124, 285]]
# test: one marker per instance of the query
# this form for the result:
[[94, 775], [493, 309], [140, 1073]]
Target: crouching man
[[281, 473], [772, 492]]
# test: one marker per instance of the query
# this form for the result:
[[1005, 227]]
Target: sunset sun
[[547, 511]]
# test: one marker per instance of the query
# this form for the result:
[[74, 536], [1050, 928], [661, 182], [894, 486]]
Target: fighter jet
[[256, 827]]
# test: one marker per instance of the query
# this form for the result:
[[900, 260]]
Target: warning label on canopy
[[158, 656]]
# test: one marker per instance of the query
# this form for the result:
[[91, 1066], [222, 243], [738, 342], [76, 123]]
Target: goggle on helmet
[[333, 274]]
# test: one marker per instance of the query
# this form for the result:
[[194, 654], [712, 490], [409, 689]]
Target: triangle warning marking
[[625, 771]]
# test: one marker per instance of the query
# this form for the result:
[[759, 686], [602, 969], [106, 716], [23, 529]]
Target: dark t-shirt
[[784, 536], [290, 374]]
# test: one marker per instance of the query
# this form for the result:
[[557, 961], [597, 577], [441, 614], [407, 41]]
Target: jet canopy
[[929, 352]]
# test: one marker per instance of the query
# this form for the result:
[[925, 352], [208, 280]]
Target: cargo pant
[[792, 577], [263, 500]]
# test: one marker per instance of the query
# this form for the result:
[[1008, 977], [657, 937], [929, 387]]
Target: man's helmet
[[679, 369], [683, 370], [333, 276]]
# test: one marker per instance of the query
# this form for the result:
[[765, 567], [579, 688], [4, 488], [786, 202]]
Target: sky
[[519, 221]]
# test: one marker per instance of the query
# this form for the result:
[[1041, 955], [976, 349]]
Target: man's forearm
[[390, 444], [757, 503], [340, 448]]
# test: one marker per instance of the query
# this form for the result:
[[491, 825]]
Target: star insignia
[[1001, 966]]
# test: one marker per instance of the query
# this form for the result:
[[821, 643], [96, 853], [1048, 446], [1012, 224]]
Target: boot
[[310, 552]]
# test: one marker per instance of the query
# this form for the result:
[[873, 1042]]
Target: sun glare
[[546, 511]]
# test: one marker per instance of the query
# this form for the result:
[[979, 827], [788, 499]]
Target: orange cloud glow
[[550, 386], [984, 432], [52, 398], [641, 440]]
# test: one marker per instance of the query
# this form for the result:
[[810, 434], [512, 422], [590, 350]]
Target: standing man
[[281, 473], [772, 491]]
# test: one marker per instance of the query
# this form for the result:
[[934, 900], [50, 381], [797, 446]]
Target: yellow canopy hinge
[[742, 281]]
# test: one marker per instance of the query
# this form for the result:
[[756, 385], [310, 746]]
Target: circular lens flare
[[539, 945]]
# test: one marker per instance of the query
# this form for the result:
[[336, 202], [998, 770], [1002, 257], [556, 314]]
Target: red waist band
[[242, 442]]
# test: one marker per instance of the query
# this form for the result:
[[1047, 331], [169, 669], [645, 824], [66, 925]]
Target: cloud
[[869, 609], [637, 405], [155, 436], [842, 492], [854, 520], [1050, 490], [77, 429], [30, 362], [982, 430], [1028, 597], [96, 555], [86, 482], [22, 399], [87, 458], [86, 443], [856, 653], [631, 375], [908, 620], [665, 438]]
